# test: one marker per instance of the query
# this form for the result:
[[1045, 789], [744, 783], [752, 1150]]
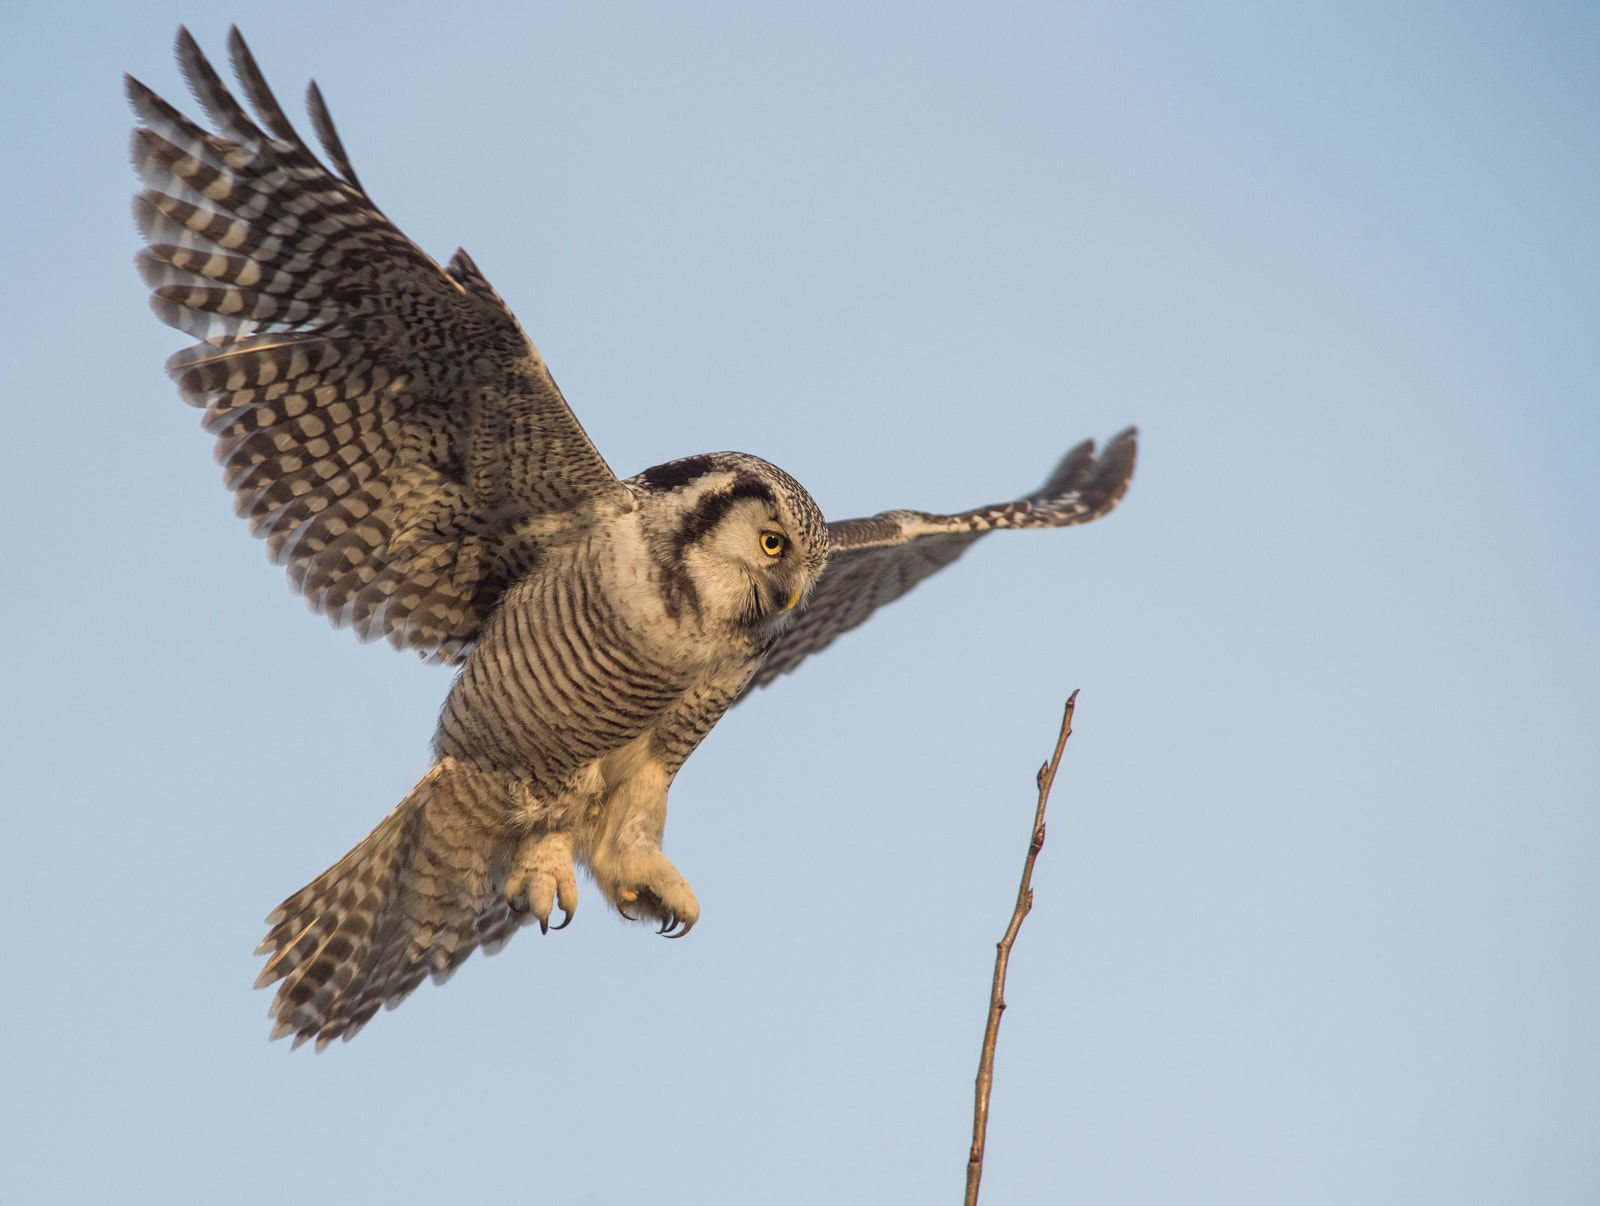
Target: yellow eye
[[772, 544]]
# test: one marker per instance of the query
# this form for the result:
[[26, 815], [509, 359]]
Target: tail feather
[[417, 896]]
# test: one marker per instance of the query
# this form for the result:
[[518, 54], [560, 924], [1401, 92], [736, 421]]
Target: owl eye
[[772, 544]]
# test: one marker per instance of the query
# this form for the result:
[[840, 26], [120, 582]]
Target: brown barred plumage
[[390, 431], [399, 485], [874, 561]]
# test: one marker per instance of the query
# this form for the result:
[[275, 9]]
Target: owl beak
[[793, 599]]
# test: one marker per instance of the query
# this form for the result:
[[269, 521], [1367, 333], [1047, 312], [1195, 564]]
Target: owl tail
[[419, 894]]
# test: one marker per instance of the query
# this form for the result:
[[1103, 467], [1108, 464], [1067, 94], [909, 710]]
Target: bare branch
[[997, 997]]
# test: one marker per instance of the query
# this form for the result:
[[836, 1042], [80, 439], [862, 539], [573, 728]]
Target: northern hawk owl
[[390, 431]]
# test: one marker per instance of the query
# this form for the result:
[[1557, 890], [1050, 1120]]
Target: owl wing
[[874, 561], [384, 423]]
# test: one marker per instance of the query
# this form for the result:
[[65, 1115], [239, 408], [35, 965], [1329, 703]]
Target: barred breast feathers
[[559, 679]]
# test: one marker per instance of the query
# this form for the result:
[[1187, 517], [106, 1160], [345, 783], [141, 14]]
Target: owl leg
[[623, 851], [542, 876], [657, 891]]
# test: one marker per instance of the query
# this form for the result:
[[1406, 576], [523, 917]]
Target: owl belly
[[555, 683]]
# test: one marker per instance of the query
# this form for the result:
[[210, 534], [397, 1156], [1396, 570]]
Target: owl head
[[738, 540]]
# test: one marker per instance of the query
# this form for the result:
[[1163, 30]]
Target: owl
[[390, 431]]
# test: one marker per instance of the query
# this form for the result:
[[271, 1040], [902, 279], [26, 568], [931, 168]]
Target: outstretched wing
[[383, 422], [875, 561]]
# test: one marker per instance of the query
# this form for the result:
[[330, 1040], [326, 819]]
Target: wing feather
[[875, 560], [384, 423]]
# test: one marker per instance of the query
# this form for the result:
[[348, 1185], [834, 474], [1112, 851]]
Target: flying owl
[[388, 429]]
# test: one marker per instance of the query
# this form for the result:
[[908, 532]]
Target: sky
[[1318, 920]]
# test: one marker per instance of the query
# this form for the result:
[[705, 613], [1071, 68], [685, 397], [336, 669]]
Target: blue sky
[[1318, 920]]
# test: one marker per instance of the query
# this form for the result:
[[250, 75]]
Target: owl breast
[[580, 660]]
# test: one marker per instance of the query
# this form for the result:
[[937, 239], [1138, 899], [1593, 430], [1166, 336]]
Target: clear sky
[[1319, 916]]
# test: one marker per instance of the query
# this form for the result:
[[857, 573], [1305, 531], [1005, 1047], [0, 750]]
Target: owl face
[[741, 541], [751, 567]]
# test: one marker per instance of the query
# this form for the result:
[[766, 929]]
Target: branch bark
[[997, 994]]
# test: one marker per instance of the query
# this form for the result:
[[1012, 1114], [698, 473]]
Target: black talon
[[566, 920], [544, 925]]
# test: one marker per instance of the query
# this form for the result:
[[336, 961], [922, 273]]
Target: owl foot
[[542, 876], [664, 896]]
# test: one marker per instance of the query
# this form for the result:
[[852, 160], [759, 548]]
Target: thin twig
[[997, 994]]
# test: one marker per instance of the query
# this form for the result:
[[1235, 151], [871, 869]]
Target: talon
[[540, 877], [566, 919], [681, 933], [655, 893]]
